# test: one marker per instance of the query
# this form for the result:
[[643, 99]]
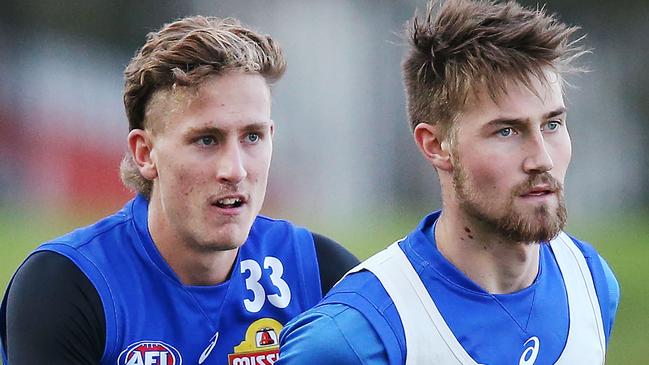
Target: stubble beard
[[541, 225]]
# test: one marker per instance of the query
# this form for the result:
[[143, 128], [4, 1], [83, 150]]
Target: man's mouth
[[229, 202], [538, 193], [539, 188]]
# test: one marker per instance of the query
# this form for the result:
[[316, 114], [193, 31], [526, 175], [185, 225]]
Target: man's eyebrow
[[256, 126], [554, 113], [506, 121], [521, 122], [205, 129], [221, 131]]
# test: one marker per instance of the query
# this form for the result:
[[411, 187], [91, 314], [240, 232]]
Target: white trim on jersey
[[419, 314], [586, 342]]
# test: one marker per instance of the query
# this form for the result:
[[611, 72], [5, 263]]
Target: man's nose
[[231, 167], [538, 158]]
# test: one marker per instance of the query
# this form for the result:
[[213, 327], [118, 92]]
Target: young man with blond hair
[[491, 278], [187, 272]]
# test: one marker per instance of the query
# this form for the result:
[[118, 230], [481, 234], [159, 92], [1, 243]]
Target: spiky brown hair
[[469, 44]]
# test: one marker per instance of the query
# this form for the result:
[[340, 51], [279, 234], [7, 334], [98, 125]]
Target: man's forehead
[[548, 89], [167, 103]]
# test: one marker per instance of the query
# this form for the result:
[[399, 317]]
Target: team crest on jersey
[[260, 345], [150, 353]]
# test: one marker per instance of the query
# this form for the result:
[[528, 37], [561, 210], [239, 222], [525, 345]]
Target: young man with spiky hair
[[491, 278], [187, 272]]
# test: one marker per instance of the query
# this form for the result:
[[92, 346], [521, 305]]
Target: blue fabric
[[491, 328], [144, 300], [606, 286], [326, 321]]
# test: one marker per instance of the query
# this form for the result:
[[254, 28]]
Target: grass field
[[624, 242]]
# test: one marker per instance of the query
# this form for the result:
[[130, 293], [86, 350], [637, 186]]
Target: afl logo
[[150, 353]]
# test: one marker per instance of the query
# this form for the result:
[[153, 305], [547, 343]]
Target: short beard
[[541, 226]]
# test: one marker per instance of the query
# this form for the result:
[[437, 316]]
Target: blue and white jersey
[[152, 318], [358, 322]]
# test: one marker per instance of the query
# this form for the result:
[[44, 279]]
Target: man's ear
[[141, 147], [429, 141]]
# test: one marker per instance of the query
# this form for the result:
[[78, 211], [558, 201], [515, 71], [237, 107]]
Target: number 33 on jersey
[[253, 284]]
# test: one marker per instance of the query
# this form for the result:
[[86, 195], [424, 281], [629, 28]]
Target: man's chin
[[219, 245], [224, 240], [539, 225], [228, 235]]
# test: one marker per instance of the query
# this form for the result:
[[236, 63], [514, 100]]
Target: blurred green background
[[623, 240], [344, 163]]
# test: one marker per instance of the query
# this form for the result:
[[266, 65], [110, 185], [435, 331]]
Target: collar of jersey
[[421, 248]]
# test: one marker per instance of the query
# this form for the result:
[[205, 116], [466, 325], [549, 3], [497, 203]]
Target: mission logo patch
[[260, 346]]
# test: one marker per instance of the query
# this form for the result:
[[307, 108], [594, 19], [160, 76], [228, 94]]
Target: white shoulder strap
[[438, 345], [417, 311], [586, 342]]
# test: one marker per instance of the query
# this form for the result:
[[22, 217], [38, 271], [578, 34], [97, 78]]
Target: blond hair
[[184, 53]]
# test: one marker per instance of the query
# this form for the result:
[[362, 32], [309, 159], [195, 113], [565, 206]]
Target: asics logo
[[208, 349], [531, 351]]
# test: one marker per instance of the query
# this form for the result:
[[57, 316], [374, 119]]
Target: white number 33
[[279, 300]]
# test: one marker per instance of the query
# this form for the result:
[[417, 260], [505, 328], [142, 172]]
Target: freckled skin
[[190, 174]]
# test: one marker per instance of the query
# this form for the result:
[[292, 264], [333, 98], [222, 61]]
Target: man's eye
[[553, 125], [206, 141], [253, 137], [505, 132]]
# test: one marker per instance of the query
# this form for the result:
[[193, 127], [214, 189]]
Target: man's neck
[[198, 268], [497, 265], [192, 265]]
